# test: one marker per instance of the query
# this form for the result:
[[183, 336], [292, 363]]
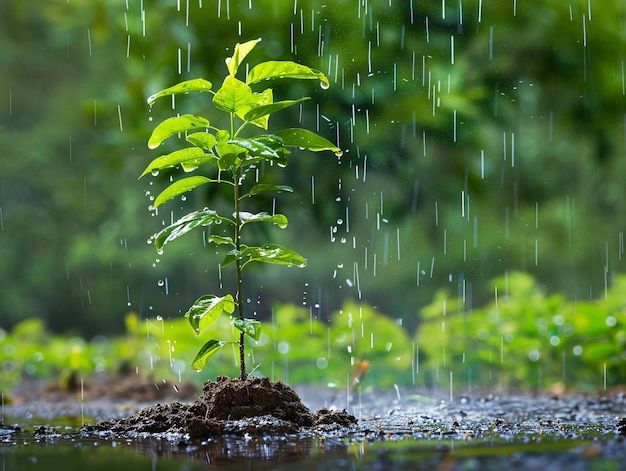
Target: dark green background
[[536, 89]]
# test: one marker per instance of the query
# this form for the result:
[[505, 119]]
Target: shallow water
[[468, 433], [24, 452]]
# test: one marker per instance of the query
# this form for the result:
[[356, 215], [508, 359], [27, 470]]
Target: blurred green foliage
[[524, 340], [481, 138]]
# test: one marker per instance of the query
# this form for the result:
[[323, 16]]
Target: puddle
[[520, 433]]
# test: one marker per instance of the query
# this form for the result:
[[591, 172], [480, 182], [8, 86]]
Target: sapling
[[229, 159]]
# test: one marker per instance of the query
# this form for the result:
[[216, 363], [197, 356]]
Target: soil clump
[[254, 406]]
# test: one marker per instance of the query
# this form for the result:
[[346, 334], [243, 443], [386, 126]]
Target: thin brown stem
[[242, 357]]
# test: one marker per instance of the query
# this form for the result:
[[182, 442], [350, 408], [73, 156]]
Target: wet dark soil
[[255, 406]]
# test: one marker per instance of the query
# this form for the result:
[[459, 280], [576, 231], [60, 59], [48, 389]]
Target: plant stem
[[236, 177]]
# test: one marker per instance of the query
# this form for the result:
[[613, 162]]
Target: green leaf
[[239, 54], [203, 140], [220, 240], [191, 165], [188, 222], [263, 110], [195, 85], [265, 187], [229, 153], [249, 327], [233, 95], [305, 139], [264, 147], [207, 309], [285, 69], [207, 351], [279, 219], [268, 253], [266, 97], [176, 158], [182, 186], [173, 126]]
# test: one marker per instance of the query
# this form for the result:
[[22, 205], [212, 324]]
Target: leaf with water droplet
[[284, 69], [305, 139], [268, 253], [264, 147], [194, 85], [220, 240], [172, 126], [249, 327], [207, 309], [205, 353], [183, 186], [266, 187], [185, 224], [176, 158], [279, 219]]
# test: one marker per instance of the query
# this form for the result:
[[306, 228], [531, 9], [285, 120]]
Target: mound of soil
[[254, 406]]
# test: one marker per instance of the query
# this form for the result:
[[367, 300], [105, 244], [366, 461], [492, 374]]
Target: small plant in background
[[232, 160]]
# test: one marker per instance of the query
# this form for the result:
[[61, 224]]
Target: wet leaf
[[204, 140], [233, 95], [207, 309], [229, 153], [305, 139], [172, 126], [207, 351], [265, 187], [285, 69], [264, 110], [279, 219], [265, 147], [176, 158], [194, 85], [268, 253], [266, 97], [188, 222], [239, 54], [220, 240], [182, 186], [250, 327]]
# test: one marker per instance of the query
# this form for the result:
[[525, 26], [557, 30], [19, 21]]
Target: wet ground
[[399, 429]]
